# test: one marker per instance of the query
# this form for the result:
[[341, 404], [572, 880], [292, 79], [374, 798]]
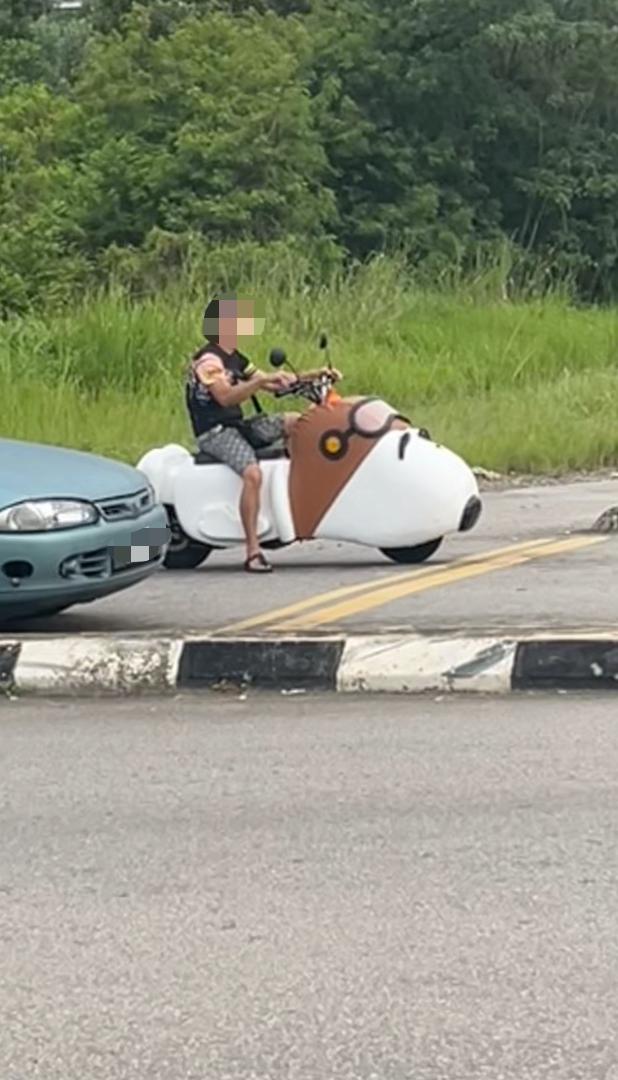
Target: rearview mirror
[[277, 357]]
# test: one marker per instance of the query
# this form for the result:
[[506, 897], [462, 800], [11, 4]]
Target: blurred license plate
[[125, 557]]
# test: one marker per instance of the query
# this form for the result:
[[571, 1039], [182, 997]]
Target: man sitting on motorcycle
[[220, 380]]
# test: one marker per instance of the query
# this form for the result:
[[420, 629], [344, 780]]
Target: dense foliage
[[138, 137]]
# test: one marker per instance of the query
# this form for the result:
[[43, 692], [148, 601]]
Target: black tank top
[[205, 412]]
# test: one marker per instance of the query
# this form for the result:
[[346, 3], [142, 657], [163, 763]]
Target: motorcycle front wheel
[[411, 555], [183, 553]]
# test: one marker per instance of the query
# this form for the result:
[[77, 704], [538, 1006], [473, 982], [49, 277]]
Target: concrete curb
[[401, 663]]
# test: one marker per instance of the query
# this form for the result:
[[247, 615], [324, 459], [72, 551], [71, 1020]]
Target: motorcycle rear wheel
[[183, 552], [187, 558], [411, 555]]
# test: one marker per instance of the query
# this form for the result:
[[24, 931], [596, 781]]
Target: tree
[[211, 126], [108, 15], [449, 124], [450, 128], [40, 237], [18, 16], [207, 131]]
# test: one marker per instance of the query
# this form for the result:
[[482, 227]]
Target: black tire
[[183, 552], [186, 558], [411, 555]]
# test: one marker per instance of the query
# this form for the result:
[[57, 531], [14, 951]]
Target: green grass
[[530, 385]]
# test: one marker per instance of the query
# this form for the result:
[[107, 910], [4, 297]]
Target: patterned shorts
[[236, 447]]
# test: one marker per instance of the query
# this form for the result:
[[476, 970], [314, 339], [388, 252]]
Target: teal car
[[74, 527]]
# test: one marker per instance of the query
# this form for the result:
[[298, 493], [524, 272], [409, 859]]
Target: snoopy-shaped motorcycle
[[354, 470]]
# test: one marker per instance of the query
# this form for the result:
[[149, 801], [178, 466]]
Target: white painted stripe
[[96, 665], [417, 664], [173, 662]]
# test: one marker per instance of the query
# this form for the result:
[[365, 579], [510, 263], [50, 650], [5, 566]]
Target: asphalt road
[[309, 889], [566, 587]]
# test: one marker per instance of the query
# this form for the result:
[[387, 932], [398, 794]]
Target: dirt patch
[[489, 481]]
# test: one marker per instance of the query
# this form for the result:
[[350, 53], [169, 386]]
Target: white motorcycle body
[[403, 493], [205, 498]]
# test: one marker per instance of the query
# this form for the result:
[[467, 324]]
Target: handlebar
[[313, 389], [288, 391]]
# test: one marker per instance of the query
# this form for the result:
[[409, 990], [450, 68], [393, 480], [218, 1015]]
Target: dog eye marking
[[403, 444]]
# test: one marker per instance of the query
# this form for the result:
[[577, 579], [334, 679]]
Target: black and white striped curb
[[395, 663]]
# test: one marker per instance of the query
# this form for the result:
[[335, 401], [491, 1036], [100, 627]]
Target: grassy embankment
[[523, 385]]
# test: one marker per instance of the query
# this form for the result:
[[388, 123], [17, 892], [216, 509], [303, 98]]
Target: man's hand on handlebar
[[276, 382], [310, 385], [332, 373]]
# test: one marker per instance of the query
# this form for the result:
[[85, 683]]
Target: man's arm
[[270, 382], [212, 374]]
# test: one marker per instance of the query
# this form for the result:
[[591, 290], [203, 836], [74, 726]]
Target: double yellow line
[[343, 603]]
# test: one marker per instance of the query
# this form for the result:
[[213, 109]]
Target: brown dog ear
[[324, 458]]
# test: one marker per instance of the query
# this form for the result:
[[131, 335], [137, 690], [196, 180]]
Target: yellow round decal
[[332, 444]]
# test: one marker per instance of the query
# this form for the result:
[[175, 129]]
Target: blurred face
[[237, 319]]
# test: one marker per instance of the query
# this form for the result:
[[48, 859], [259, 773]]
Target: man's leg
[[257, 432], [249, 511], [233, 450], [260, 431]]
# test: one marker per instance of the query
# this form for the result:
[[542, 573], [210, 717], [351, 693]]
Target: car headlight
[[44, 515]]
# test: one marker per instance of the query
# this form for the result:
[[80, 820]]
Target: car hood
[[32, 471]]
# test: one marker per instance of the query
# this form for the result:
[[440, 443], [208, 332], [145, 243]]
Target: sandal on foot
[[258, 564]]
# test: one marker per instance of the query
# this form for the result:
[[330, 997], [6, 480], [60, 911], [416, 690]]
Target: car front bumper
[[40, 572]]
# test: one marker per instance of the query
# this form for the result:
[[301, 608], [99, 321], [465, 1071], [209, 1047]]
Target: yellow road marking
[[461, 571], [363, 586], [322, 599]]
